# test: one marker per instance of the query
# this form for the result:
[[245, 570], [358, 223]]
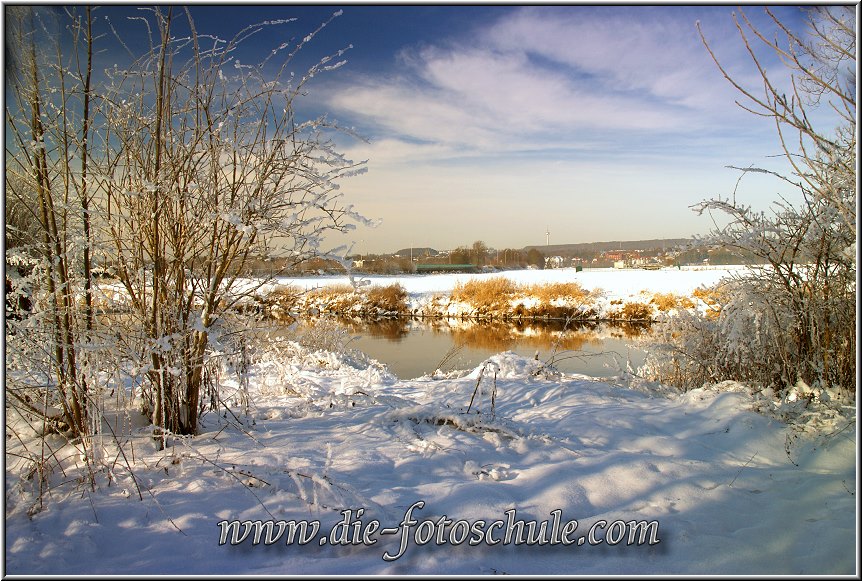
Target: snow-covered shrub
[[203, 168], [244, 178], [683, 351], [323, 334], [281, 301], [711, 299], [757, 338], [741, 343], [792, 321]]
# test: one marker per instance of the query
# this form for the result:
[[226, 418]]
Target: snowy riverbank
[[732, 491], [594, 294]]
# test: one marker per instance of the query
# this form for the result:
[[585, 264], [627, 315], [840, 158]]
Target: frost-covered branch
[[791, 322]]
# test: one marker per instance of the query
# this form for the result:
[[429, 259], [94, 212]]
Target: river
[[412, 348]]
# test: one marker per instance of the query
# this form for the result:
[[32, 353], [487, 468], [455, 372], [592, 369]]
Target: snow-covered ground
[[616, 283], [719, 489], [708, 485]]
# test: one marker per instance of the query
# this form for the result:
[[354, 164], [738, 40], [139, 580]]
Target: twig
[[246, 432], [93, 506], [494, 397], [159, 506], [476, 389], [454, 350], [741, 469], [235, 477], [787, 444], [125, 459]]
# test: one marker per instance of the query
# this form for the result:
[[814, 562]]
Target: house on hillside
[[554, 262]]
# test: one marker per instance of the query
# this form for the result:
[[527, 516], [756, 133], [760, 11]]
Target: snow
[[336, 440], [616, 283], [732, 491]]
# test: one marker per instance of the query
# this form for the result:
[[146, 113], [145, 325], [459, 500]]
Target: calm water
[[412, 348]]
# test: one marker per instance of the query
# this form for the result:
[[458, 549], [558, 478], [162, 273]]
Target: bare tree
[[793, 320], [45, 153], [178, 171], [822, 65], [479, 252], [206, 168]]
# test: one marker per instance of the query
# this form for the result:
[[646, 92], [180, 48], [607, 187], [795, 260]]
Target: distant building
[[554, 262]]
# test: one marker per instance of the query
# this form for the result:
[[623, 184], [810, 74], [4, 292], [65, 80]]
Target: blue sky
[[498, 123]]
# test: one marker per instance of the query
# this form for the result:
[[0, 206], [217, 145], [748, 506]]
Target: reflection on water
[[412, 348]]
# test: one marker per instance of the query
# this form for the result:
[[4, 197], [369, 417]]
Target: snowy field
[[335, 443], [616, 283]]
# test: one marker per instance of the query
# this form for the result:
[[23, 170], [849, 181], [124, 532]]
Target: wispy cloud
[[636, 50], [544, 78]]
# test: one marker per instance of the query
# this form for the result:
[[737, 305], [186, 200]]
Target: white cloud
[[630, 51], [510, 91], [537, 80]]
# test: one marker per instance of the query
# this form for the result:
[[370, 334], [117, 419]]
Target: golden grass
[[497, 294], [550, 292], [392, 298], [489, 294], [635, 311], [715, 297], [665, 301], [281, 301], [332, 291], [338, 298], [284, 294], [498, 297]]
